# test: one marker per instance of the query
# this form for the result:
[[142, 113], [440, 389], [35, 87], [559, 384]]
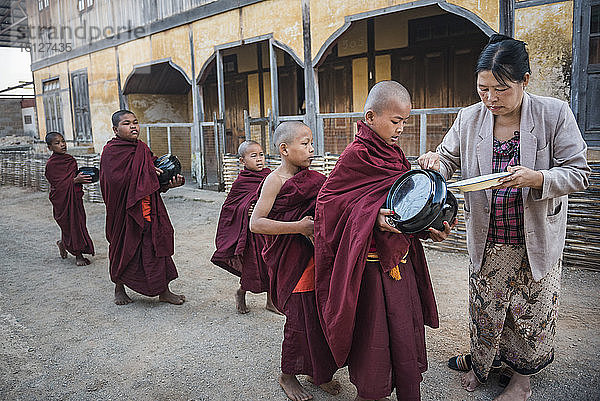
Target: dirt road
[[62, 337]]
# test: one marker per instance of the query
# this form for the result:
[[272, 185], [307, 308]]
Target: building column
[[220, 126], [311, 87], [197, 167], [274, 89], [507, 17]]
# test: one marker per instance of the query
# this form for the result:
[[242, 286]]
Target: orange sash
[[307, 281], [146, 207]]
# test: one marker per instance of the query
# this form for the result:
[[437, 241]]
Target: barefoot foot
[[469, 381], [333, 387], [121, 297], [518, 389], [240, 302], [61, 249], [81, 261], [270, 307], [293, 389], [169, 297]]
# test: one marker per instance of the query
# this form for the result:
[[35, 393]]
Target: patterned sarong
[[511, 314]]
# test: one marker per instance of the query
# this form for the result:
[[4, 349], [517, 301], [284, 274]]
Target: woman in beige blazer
[[516, 231]]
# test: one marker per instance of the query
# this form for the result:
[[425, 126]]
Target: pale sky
[[15, 66]]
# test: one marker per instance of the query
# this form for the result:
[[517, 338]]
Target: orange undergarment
[[146, 207], [307, 281]]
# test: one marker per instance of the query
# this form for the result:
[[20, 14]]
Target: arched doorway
[[429, 50], [247, 87], [159, 94]]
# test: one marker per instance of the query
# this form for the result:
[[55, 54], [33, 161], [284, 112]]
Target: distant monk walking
[[66, 196], [239, 251], [138, 228]]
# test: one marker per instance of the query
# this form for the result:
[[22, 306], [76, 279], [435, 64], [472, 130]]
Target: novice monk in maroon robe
[[372, 283], [284, 211], [66, 195], [239, 251], [138, 228]]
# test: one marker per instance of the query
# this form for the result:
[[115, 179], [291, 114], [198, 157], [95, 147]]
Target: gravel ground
[[62, 337]]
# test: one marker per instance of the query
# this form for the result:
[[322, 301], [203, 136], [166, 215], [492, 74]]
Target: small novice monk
[[66, 195], [239, 251], [138, 229], [284, 212], [373, 288]]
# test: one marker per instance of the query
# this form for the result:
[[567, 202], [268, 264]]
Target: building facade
[[204, 75]]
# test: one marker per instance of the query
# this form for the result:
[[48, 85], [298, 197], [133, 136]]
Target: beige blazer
[[551, 143]]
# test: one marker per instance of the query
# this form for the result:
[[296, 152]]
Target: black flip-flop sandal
[[462, 363]]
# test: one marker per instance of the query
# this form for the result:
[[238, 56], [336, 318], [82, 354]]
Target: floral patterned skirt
[[511, 315]]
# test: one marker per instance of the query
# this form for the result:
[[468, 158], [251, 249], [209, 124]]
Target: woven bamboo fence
[[232, 166], [26, 169], [582, 247]]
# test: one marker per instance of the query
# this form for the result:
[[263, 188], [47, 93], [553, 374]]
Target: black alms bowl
[[170, 166], [91, 171], [449, 206], [419, 200]]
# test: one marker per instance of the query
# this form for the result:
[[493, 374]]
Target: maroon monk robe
[[304, 349], [345, 216], [67, 203], [238, 249], [139, 251]]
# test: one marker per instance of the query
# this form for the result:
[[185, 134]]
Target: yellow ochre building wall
[[281, 18], [546, 28], [548, 32]]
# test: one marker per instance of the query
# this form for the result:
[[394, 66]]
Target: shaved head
[[384, 95], [116, 117], [287, 131], [243, 148], [51, 136]]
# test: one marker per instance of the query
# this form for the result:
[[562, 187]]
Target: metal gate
[[267, 125], [212, 145], [262, 135]]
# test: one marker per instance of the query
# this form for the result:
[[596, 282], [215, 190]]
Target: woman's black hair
[[52, 135], [506, 58]]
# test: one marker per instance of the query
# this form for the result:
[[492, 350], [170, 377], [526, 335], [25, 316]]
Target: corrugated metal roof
[[13, 23]]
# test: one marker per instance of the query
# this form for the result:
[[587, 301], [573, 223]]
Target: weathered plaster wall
[[104, 95], [104, 101], [548, 32], [103, 90], [174, 43], [137, 51], [228, 27], [282, 17], [255, 20], [487, 10]]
